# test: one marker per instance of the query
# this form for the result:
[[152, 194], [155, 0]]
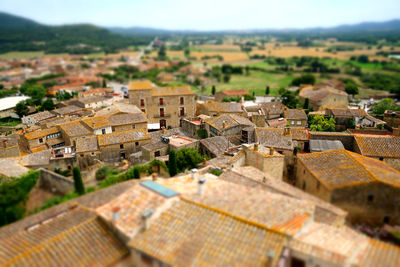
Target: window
[[370, 198], [161, 112], [181, 100], [304, 185], [92, 153], [157, 154], [161, 101], [386, 219], [381, 158], [142, 102], [133, 126], [298, 122], [318, 185], [136, 143], [292, 122], [143, 110], [103, 131], [295, 262], [121, 146], [81, 155], [182, 111], [40, 140]]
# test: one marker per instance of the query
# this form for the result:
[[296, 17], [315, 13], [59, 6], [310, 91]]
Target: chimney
[[255, 147], [154, 176], [146, 218], [202, 182], [286, 131], [194, 173], [271, 151], [115, 214]]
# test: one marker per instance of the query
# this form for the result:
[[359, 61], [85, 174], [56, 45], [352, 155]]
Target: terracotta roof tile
[[378, 146], [41, 133], [96, 122], [122, 137], [295, 114]]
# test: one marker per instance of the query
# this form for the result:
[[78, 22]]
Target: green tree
[[213, 90], [227, 78], [306, 103], [1, 86], [21, 109], [78, 183], [351, 88], [247, 69], [319, 123], [187, 52], [136, 173], [267, 90], [289, 98], [162, 52], [104, 83], [187, 158], [386, 104], [36, 92], [202, 133], [304, 79], [48, 104], [172, 165]]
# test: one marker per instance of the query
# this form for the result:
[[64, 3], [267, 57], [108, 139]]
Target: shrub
[[216, 171], [202, 133], [104, 171], [188, 158]]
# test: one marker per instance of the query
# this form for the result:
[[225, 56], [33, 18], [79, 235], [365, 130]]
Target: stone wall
[[55, 182]]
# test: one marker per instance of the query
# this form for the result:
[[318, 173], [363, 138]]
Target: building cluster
[[287, 196]]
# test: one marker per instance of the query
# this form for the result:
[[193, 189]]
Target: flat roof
[[180, 141], [11, 102]]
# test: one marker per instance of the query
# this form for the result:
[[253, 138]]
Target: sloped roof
[[88, 144], [378, 146], [295, 114], [75, 128], [140, 85], [123, 118], [36, 159], [172, 90], [300, 134], [342, 112], [273, 108], [273, 137], [41, 115], [319, 94], [96, 122], [230, 120], [79, 236], [122, 137], [41, 133], [341, 168], [217, 145], [324, 145], [190, 234], [223, 107], [66, 110]]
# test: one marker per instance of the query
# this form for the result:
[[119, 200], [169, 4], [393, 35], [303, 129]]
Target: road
[[136, 61]]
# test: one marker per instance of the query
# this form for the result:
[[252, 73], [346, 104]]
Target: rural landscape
[[159, 140]]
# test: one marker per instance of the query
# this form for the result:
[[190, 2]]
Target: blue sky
[[205, 14]]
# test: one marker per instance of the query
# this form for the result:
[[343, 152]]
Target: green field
[[22, 55], [255, 82]]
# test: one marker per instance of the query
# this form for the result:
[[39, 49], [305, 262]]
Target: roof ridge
[[243, 220]]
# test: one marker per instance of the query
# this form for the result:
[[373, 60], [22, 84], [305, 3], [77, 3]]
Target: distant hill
[[20, 34]]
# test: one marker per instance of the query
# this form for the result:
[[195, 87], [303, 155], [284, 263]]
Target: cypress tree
[[172, 165], [78, 183]]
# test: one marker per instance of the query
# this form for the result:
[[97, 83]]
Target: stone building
[[220, 95], [392, 118], [296, 118], [366, 188], [71, 131], [215, 146], [9, 146], [324, 97], [45, 138], [119, 145], [384, 148], [214, 109], [342, 116], [37, 118], [163, 105], [98, 125], [227, 125]]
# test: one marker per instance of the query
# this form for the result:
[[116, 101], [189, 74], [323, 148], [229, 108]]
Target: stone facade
[[163, 105], [260, 157]]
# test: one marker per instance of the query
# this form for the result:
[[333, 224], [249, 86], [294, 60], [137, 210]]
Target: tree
[[21, 109], [78, 183], [136, 173], [213, 90], [1, 86], [48, 104], [187, 52], [36, 92], [267, 91], [202, 133], [172, 165], [227, 78], [247, 68], [162, 52], [289, 98], [306, 103], [104, 83], [385, 104], [319, 123], [187, 158], [351, 88], [304, 79]]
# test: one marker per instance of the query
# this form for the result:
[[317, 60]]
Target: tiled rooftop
[[122, 137], [96, 122], [378, 146], [273, 137], [295, 114], [41, 133], [75, 128], [88, 144]]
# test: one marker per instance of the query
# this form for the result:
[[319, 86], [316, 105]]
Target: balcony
[[165, 115]]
